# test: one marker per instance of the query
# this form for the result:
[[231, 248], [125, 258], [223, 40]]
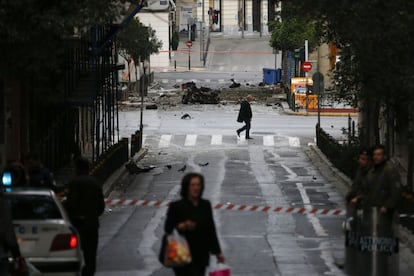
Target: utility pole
[[306, 75], [202, 32], [243, 15]]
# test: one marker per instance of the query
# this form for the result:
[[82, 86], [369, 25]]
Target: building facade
[[228, 17], [158, 17]]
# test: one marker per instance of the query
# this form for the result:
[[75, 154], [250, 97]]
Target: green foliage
[[376, 39], [291, 33], [175, 40], [137, 41], [34, 33]]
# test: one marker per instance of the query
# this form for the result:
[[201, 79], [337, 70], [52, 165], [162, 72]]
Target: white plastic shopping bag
[[220, 270], [177, 252]]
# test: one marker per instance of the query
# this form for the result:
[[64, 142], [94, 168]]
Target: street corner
[[184, 69]]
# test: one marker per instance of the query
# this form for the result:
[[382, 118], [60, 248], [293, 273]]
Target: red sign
[[189, 43], [306, 66]]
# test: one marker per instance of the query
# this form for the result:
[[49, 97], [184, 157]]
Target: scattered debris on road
[[134, 169], [203, 164], [182, 169], [234, 84], [186, 116], [151, 106]]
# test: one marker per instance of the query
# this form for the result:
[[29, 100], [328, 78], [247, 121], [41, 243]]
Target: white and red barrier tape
[[232, 207], [219, 206]]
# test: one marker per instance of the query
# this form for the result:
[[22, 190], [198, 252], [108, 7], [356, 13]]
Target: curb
[[183, 69], [120, 173], [345, 179], [330, 114], [287, 111]]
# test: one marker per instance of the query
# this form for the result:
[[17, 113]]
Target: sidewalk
[[63, 176], [340, 112], [179, 59]]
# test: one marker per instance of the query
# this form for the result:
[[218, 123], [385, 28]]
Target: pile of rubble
[[202, 95]]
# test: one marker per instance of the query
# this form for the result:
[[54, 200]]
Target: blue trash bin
[[271, 76]]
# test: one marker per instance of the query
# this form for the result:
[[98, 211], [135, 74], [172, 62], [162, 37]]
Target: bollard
[[377, 243]]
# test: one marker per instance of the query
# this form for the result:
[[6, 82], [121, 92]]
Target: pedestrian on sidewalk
[[39, 176], [192, 216], [84, 204], [8, 242], [359, 188], [245, 115], [383, 182]]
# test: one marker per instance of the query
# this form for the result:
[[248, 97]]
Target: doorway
[[257, 13]]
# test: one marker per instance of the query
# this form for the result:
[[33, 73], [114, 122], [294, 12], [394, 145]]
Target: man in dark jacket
[[39, 175], [245, 115], [384, 183], [360, 186], [8, 241], [84, 204]]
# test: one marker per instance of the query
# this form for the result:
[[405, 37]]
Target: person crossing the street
[[245, 115]]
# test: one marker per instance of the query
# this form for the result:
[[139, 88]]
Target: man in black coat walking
[[245, 115], [85, 203]]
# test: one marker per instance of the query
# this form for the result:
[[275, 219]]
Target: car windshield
[[33, 207]]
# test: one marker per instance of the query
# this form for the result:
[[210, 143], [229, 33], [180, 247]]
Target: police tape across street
[[245, 208]]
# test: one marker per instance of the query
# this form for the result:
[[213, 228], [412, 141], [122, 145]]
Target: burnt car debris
[[202, 95]]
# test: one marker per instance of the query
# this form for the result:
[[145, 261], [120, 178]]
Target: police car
[[47, 240]]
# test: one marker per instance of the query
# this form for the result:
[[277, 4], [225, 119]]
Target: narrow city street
[[106, 106], [270, 170]]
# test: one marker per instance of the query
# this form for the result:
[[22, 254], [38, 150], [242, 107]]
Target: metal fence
[[108, 162], [343, 156]]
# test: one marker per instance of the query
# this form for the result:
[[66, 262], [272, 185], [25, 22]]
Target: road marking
[[144, 137], [179, 80], [221, 80], [292, 174], [190, 140], [207, 80], [294, 142], [164, 80], [193, 80], [319, 230], [216, 139], [268, 141], [165, 141], [145, 247], [241, 141]]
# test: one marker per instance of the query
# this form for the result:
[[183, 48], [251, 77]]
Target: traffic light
[[299, 53]]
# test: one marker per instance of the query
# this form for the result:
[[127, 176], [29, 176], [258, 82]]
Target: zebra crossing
[[216, 140]]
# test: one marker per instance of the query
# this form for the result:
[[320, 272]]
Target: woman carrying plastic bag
[[192, 216], [175, 251]]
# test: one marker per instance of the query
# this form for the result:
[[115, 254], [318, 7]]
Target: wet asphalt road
[[271, 170]]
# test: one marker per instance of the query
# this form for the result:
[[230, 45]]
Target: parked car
[[45, 235]]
